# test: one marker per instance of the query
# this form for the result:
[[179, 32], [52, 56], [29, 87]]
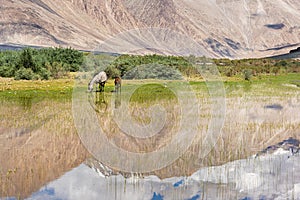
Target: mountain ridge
[[226, 28]]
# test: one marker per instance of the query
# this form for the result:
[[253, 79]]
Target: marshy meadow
[[40, 141]]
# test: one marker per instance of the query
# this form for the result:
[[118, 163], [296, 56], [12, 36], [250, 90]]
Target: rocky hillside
[[226, 28]]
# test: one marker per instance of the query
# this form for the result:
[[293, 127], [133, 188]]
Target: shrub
[[7, 71], [112, 72], [229, 72], [36, 77], [247, 74], [26, 61], [57, 70], [44, 74], [275, 70], [24, 73], [153, 71]]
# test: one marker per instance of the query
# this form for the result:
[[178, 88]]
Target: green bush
[[36, 77], [153, 71], [229, 72], [57, 61], [112, 72], [7, 71], [247, 74], [44, 74], [57, 70], [24, 73], [26, 60]]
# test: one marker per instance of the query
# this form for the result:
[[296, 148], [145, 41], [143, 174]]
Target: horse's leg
[[102, 87], [116, 87]]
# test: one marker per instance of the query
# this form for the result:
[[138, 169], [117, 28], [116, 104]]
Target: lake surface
[[44, 157], [273, 176]]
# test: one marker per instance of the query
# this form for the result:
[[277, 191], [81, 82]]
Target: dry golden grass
[[249, 128]]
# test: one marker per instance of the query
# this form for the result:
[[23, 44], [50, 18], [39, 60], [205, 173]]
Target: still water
[[268, 177], [43, 157]]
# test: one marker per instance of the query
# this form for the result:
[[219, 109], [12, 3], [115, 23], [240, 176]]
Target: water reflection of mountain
[[269, 176], [38, 144]]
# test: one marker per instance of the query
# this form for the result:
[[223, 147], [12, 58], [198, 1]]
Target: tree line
[[42, 64], [55, 63], [256, 67], [125, 66]]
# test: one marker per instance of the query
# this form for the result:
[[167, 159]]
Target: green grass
[[265, 85], [152, 92], [27, 92]]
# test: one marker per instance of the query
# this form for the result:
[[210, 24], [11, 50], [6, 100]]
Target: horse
[[118, 84], [100, 79]]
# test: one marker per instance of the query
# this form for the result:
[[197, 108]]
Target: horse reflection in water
[[118, 82], [117, 92], [98, 102], [118, 100]]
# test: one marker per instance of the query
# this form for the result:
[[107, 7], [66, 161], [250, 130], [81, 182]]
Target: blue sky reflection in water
[[268, 176]]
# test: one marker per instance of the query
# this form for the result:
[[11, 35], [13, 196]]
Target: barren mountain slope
[[226, 28]]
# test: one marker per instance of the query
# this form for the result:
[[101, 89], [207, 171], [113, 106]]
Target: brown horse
[[118, 84]]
